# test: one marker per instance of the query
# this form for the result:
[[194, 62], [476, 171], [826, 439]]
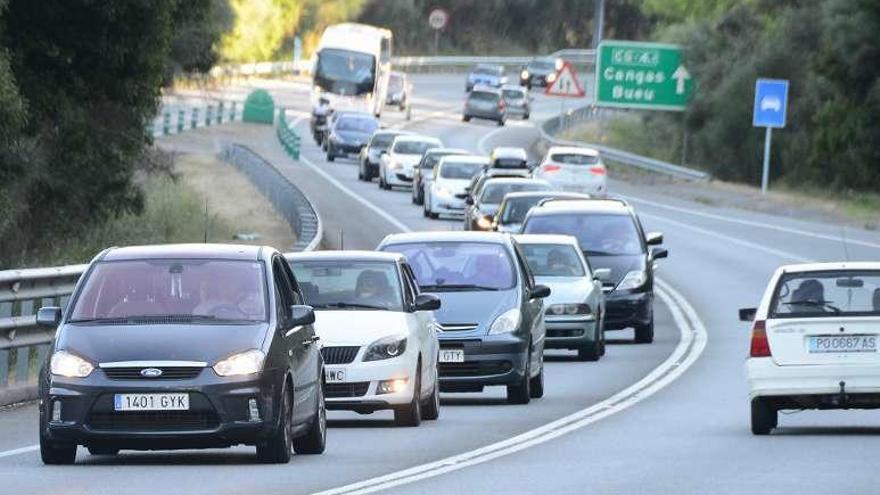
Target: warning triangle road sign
[[566, 83]]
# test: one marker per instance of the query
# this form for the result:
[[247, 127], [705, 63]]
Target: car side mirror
[[469, 200], [602, 274], [654, 238], [539, 292], [747, 314], [658, 253], [301, 315], [426, 302], [49, 316], [383, 152]]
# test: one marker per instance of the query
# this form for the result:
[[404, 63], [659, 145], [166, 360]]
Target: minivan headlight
[[633, 280], [70, 365], [386, 348], [243, 363], [507, 322]]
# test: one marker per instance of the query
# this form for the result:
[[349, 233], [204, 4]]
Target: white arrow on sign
[[680, 75]]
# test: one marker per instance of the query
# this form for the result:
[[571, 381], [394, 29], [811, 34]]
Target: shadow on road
[[137, 458], [827, 431]]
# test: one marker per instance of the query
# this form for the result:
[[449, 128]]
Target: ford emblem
[[151, 372]]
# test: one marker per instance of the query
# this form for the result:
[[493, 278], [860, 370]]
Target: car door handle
[[311, 341]]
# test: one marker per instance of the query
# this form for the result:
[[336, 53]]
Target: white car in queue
[[398, 162], [574, 169], [451, 178], [378, 332], [814, 341]]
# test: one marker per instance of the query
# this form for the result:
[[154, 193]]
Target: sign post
[[647, 76], [771, 103], [437, 19], [297, 53]]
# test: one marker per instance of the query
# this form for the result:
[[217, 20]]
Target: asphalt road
[[686, 433]]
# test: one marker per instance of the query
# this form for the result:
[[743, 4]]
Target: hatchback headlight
[[484, 222], [386, 348], [442, 191], [70, 365], [507, 322], [243, 363], [524, 74], [569, 309], [633, 280]]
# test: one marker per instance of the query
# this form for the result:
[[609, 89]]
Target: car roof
[[416, 138], [482, 88], [448, 236], [448, 151], [547, 239], [576, 150], [350, 255], [517, 87], [586, 206], [544, 194], [514, 180], [836, 265], [509, 152], [500, 173], [478, 159], [392, 132], [186, 251]]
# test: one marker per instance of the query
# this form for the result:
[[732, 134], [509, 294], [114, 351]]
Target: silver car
[[485, 102], [518, 100], [575, 310]]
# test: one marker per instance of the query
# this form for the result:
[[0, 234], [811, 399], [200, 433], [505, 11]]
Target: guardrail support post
[[180, 119], [195, 118], [166, 123], [220, 113], [209, 115], [232, 114]]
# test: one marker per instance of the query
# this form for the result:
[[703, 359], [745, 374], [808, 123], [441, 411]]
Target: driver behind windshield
[[373, 289]]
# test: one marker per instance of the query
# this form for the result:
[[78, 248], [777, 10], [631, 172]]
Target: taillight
[[550, 168], [597, 170], [760, 346]]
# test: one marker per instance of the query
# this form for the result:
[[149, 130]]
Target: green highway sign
[[648, 76]]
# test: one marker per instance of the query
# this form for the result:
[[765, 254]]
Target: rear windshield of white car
[[355, 285], [493, 193], [553, 260], [827, 293], [459, 266], [432, 159], [597, 234], [413, 147], [459, 170], [574, 159], [484, 96]]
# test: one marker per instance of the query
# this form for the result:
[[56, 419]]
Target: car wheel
[[57, 453], [315, 441], [431, 407], [361, 171], [537, 386], [500, 122], [425, 212], [526, 116], [420, 196], [411, 414], [764, 417], [384, 185], [368, 172], [96, 450], [520, 392], [644, 334], [433, 216], [590, 352], [412, 197], [276, 450], [330, 155], [466, 118]]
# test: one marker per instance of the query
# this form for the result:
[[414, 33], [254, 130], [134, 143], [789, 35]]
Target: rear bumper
[[491, 360], [767, 379], [481, 114], [572, 333], [626, 310]]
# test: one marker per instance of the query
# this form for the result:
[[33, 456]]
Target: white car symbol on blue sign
[[771, 100]]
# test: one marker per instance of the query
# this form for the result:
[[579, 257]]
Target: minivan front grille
[[458, 327], [339, 354], [343, 390], [154, 421], [168, 373]]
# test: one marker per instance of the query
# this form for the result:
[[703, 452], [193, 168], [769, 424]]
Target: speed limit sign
[[438, 18]]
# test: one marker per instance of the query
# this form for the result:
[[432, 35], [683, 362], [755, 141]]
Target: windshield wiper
[[815, 304], [590, 252], [453, 287], [345, 305]]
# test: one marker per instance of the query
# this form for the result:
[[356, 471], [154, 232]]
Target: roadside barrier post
[[209, 115], [220, 113], [195, 118], [180, 120], [232, 114], [166, 123]]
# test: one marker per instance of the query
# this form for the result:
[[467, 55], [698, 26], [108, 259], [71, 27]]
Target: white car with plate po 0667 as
[[814, 341], [378, 333]]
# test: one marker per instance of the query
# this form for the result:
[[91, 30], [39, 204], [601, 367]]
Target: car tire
[[591, 352], [501, 123], [537, 386], [520, 392], [361, 176], [466, 118], [764, 417], [411, 414], [384, 185], [526, 116], [330, 155], [276, 449], [644, 334], [95, 450], [315, 441], [57, 453], [368, 172], [433, 216], [420, 196], [431, 406]]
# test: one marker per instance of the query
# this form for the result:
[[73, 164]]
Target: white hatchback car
[[451, 178], [378, 332], [814, 341], [397, 164], [574, 169]]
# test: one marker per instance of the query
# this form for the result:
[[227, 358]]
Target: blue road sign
[[771, 100]]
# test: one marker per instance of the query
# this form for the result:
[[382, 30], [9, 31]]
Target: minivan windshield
[[515, 209], [336, 284], [357, 124], [827, 293], [597, 234], [493, 192], [452, 266], [170, 290], [553, 260]]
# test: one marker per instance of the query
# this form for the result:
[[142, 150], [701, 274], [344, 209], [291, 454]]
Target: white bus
[[352, 66]]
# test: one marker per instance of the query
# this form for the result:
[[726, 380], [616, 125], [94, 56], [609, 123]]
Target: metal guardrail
[[176, 117], [556, 124]]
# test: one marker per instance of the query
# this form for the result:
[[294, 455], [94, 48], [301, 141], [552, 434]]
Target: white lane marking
[[353, 195], [727, 238], [21, 450], [752, 223], [691, 345]]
